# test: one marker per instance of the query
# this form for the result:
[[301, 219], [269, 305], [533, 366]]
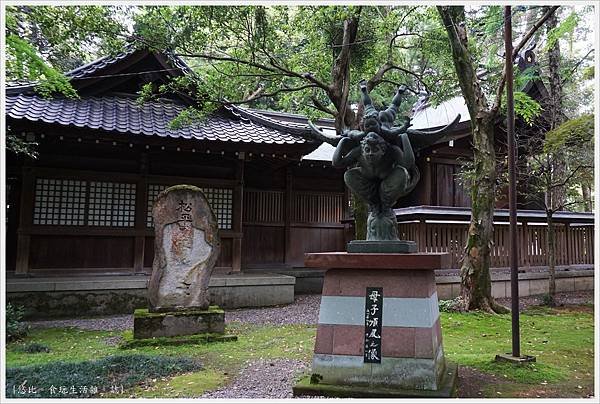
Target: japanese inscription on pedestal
[[373, 320]]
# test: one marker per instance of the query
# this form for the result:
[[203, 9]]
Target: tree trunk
[[551, 247], [359, 208], [476, 284], [586, 193]]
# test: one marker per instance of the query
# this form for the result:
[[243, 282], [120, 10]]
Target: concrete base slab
[[448, 385], [517, 360], [383, 246], [176, 323]]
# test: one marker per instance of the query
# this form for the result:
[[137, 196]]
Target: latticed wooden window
[[59, 202], [219, 199], [112, 204]]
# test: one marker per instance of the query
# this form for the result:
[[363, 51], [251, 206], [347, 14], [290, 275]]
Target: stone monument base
[[176, 323], [382, 246], [447, 388], [379, 325]]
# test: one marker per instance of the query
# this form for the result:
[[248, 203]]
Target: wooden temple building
[[83, 207]]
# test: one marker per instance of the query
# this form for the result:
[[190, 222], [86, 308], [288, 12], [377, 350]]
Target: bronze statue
[[381, 163]]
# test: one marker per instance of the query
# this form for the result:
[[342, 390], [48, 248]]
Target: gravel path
[[262, 379], [110, 323], [562, 299], [304, 310]]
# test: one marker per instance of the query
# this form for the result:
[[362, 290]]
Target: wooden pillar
[[526, 245], [422, 236], [25, 221], [141, 196], [287, 216], [568, 243], [238, 214], [427, 184]]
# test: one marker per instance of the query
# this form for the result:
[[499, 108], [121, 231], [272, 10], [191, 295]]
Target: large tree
[[475, 270], [305, 59]]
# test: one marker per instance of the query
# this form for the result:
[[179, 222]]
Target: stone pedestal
[[409, 358], [183, 322]]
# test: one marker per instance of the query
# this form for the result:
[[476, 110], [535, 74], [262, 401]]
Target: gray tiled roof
[[91, 68], [152, 119]]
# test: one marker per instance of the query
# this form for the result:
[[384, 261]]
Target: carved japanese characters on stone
[[186, 248]]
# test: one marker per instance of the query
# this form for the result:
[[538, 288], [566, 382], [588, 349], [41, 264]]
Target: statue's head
[[373, 147], [371, 122]]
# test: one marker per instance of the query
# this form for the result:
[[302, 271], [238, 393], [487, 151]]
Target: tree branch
[[319, 105], [568, 178], [576, 67], [273, 69], [260, 94]]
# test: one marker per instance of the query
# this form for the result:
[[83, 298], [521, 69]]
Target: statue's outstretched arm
[[398, 97], [408, 157], [318, 134], [346, 153], [393, 132]]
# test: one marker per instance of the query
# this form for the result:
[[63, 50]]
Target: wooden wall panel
[[48, 252], [225, 258], [444, 195], [314, 239], [263, 246]]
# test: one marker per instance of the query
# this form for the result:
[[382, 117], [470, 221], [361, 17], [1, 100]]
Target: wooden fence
[[574, 243]]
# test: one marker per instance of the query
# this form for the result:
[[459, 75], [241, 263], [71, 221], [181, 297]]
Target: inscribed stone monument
[[186, 247]]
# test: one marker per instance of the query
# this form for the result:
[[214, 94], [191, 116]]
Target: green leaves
[[526, 107], [24, 63], [573, 132], [566, 27]]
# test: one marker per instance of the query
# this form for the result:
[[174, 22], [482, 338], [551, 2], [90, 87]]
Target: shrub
[[452, 305], [15, 327], [89, 378], [33, 348]]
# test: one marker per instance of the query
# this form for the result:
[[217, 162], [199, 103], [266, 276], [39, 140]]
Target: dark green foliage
[[573, 132], [548, 300], [15, 328], [33, 348], [121, 371]]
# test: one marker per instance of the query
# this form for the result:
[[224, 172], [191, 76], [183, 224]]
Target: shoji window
[[112, 204], [59, 202], [65, 202], [219, 199]]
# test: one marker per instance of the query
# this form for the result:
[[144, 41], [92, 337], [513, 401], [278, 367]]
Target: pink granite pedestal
[[412, 355]]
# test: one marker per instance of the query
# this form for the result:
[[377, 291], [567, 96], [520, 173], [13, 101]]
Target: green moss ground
[[561, 340]]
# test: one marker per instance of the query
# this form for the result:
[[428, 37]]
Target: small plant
[[97, 376], [34, 348], [315, 378], [451, 305], [548, 300], [15, 327]]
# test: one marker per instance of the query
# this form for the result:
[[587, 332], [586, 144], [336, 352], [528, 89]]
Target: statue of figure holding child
[[382, 168]]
